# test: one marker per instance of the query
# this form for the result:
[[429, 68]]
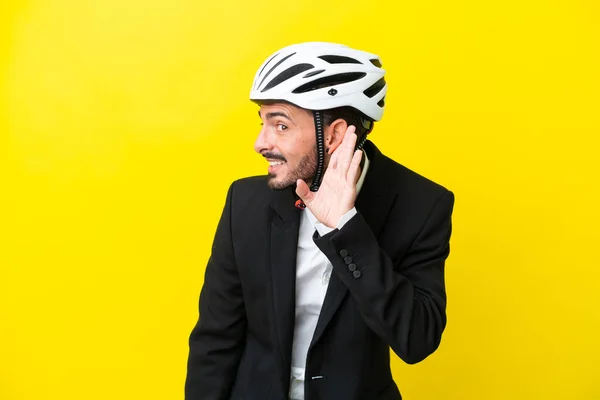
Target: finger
[[337, 153], [353, 171], [347, 149], [333, 160], [349, 137], [303, 191]]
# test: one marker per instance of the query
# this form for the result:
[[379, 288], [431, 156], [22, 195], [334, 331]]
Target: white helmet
[[321, 76]]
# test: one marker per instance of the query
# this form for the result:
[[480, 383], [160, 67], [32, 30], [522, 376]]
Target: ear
[[334, 134]]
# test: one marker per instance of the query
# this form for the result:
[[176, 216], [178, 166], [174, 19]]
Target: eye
[[281, 127]]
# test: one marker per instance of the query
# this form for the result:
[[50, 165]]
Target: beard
[[306, 170]]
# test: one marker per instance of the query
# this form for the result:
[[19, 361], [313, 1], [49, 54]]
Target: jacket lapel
[[284, 241], [374, 203]]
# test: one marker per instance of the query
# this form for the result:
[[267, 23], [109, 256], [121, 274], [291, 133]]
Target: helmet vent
[[333, 59], [313, 73], [267, 63], [381, 102], [275, 66], [375, 88], [376, 63], [287, 74], [329, 81]]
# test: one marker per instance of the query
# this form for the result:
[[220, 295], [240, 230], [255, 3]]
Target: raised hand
[[337, 193]]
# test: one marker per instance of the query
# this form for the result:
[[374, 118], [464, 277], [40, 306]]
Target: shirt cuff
[[324, 229]]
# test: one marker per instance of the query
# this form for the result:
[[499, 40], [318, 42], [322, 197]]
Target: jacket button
[[352, 267], [343, 252], [348, 260], [356, 274]]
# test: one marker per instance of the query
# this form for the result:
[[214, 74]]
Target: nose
[[263, 142]]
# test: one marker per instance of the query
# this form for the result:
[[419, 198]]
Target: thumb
[[303, 191]]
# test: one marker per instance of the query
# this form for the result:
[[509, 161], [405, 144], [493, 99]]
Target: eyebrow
[[275, 114]]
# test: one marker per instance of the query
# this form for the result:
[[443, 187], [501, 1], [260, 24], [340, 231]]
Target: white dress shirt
[[313, 271]]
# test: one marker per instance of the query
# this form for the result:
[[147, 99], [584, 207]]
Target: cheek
[[303, 145], [298, 152], [296, 145]]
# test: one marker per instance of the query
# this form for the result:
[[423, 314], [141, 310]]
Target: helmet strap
[[316, 182]]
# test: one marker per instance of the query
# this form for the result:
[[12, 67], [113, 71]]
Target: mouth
[[275, 165]]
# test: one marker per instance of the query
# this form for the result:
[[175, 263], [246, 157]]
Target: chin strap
[[316, 182]]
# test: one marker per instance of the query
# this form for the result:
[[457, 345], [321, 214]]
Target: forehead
[[294, 112]]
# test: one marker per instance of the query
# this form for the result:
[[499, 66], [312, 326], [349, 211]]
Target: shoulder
[[251, 184], [420, 185], [396, 176], [249, 192], [413, 189]]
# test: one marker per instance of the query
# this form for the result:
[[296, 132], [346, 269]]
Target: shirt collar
[[361, 179]]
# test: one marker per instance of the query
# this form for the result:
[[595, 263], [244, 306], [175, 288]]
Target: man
[[338, 254]]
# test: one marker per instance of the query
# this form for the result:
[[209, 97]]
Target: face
[[287, 141]]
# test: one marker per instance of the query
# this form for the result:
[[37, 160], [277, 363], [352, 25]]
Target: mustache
[[273, 156]]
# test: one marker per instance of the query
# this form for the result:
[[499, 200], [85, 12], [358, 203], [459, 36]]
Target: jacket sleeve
[[404, 303], [216, 342]]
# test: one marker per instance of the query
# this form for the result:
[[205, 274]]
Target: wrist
[[324, 227]]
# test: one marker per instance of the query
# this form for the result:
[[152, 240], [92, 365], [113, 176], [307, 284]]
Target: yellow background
[[124, 121]]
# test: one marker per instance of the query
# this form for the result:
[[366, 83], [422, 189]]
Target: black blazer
[[241, 345]]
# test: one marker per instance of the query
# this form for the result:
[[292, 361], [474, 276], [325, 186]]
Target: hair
[[352, 116]]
